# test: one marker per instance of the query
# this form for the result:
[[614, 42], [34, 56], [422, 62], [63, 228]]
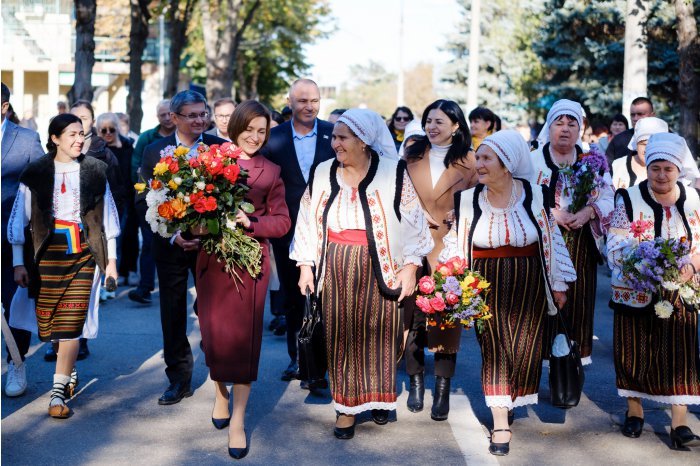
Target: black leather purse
[[566, 374], [312, 344]]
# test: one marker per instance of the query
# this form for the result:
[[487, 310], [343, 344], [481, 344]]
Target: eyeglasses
[[398, 118], [222, 117], [108, 130], [194, 116]]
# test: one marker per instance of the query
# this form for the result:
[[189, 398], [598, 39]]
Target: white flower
[[180, 195], [663, 309], [687, 293], [200, 185], [177, 180], [230, 224], [187, 199], [163, 230], [670, 286]]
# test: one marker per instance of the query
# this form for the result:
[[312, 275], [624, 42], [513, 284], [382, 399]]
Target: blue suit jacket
[[19, 147], [280, 150]]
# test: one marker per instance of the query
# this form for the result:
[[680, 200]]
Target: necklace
[[353, 194]]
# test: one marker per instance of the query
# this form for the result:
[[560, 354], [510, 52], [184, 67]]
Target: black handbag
[[566, 374], [312, 344]]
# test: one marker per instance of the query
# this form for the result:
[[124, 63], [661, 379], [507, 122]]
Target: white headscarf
[[562, 107], [672, 148], [413, 128], [644, 128], [371, 129], [513, 151]]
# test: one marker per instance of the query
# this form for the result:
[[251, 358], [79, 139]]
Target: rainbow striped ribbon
[[72, 232]]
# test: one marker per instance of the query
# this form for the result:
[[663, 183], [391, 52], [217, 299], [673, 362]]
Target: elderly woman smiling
[[505, 230], [656, 358]]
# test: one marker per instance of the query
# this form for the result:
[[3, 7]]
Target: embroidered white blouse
[[346, 214], [66, 206]]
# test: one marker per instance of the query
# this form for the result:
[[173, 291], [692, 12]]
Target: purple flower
[[451, 285]]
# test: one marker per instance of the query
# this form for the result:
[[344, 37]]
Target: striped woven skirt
[[656, 358], [512, 345], [580, 299], [363, 329], [67, 270]]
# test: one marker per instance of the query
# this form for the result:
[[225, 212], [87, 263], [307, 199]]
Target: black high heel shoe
[[511, 417], [221, 423], [344, 433], [682, 438], [633, 426], [500, 449], [380, 416], [240, 453]]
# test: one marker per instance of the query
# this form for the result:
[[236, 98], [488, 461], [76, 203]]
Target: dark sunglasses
[[398, 118], [108, 130]]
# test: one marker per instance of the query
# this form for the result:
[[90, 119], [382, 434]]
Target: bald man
[[297, 146]]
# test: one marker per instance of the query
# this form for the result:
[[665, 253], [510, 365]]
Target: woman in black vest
[[70, 225]]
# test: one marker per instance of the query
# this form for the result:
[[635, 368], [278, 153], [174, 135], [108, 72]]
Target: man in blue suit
[[19, 147], [297, 146]]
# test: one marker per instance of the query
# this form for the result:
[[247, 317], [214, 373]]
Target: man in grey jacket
[[19, 147]]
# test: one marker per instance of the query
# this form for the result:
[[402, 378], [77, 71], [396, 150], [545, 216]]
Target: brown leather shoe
[[60, 411]]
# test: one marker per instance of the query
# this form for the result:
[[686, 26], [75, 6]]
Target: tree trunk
[[178, 18], [634, 81], [688, 74], [242, 84], [137, 43], [85, 11], [222, 35]]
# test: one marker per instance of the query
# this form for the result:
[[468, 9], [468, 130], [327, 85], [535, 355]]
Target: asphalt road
[[118, 421]]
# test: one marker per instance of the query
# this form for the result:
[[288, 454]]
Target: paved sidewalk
[[117, 420]]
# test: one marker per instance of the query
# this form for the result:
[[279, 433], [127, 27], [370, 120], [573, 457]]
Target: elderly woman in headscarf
[[554, 163], [656, 355], [362, 228], [505, 230]]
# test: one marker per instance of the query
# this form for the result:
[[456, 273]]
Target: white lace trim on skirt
[[352, 410], [504, 401], [671, 399], [586, 361]]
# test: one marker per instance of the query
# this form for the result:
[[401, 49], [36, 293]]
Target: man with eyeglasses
[[176, 258], [223, 109]]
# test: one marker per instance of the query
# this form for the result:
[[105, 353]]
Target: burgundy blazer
[[271, 216]]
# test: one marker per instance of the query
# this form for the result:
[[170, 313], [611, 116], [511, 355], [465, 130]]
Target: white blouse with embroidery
[[66, 206], [346, 214]]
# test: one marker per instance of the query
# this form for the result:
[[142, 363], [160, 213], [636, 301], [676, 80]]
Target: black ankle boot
[[441, 399], [416, 393]]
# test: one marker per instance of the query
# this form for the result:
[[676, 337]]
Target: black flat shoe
[[240, 453], [499, 449], [380, 416], [441, 399], [416, 393], [175, 393], [345, 433], [633, 426], [291, 372], [50, 354], [511, 417], [682, 438]]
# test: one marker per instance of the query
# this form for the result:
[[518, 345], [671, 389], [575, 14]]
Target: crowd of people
[[355, 210]]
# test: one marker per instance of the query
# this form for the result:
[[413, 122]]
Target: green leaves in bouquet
[[213, 226], [247, 207]]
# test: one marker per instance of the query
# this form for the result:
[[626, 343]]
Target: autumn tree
[[137, 43], [688, 73], [178, 17], [85, 11]]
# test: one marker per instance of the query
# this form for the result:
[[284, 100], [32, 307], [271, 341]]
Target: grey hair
[[186, 98], [106, 118]]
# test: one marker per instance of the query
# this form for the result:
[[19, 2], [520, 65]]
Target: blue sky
[[369, 30]]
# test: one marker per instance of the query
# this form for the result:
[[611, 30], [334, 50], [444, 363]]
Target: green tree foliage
[[372, 87]]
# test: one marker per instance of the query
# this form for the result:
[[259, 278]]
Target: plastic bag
[[560, 347]]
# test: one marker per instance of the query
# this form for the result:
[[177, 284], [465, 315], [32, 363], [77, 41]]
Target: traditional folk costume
[[520, 251], [655, 358], [69, 210], [581, 243], [358, 240]]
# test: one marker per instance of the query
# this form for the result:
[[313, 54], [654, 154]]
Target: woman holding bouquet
[[362, 227], [440, 164], [581, 199], [506, 232], [63, 230], [656, 354], [231, 309]]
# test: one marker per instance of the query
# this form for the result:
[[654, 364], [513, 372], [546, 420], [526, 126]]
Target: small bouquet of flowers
[[586, 176], [654, 264], [203, 193], [454, 296]]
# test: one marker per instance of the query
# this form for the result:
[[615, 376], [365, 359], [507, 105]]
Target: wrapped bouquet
[[202, 194], [586, 178], [453, 295]]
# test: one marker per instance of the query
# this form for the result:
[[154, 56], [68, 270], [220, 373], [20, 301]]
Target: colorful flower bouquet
[[586, 178], [453, 296], [654, 264], [202, 194]]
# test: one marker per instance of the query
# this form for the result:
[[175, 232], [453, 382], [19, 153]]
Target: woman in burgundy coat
[[231, 314]]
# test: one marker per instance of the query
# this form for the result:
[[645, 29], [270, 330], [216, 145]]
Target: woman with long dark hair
[[63, 229], [397, 124], [440, 164]]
